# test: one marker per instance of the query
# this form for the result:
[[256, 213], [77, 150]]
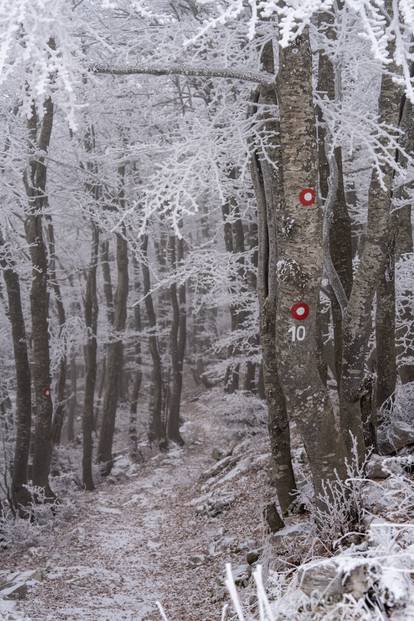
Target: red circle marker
[[299, 311], [46, 392], [307, 197]]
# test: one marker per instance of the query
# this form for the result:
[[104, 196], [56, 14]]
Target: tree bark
[[386, 364], [177, 341], [70, 423], [268, 187], [35, 183], [115, 350], [404, 246], [367, 276], [57, 421], [23, 415], [300, 267], [156, 427], [91, 321], [339, 229], [137, 380]]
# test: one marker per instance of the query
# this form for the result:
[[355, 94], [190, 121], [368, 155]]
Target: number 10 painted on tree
[[297, 333]]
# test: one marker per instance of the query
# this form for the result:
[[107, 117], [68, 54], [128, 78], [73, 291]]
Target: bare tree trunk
[[107, 281], [300, 266], [137, 380], [35, 184], [339, 230], [20, 496], [115, 351], [156, 430], [91, 321], [70, 424], [109, 302], [404, 246], [251, 367], [177, 342], [231, 239], [268, 188], [57, 421], [386, 364]]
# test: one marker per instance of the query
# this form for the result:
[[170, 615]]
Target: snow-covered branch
[[205, 72]]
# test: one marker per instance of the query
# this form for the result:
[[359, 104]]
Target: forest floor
[[153, 532]]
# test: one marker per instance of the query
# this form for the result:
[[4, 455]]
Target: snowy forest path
[[140, 540]]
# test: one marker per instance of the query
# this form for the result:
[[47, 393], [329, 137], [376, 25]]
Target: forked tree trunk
[[20, 496], [367, 276], [300, 266], [267, 182], [339, 229], [91, 322], [35, 184]]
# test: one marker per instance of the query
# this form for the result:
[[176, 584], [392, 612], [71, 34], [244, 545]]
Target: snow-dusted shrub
[[241, 409], [399, 406], [22, 532], [339, 511]]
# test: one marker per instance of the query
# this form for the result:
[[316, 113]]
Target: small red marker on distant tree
[[46, 392], [299, 311], [307, 197]]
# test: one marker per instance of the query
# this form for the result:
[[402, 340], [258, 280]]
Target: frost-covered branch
[[206, 72]]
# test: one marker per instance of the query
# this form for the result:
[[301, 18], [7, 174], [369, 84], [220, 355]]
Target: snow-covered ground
[[163, 531], [152, 532]]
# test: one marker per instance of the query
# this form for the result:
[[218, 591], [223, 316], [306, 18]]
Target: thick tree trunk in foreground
[[114, 359], [91, 322], [23, 415], [300, 265], [267, 182], [368, 274], [35, 184]]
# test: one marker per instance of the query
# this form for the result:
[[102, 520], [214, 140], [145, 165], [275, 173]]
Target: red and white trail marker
[[307, 197], [299, 311], [46, 392]]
